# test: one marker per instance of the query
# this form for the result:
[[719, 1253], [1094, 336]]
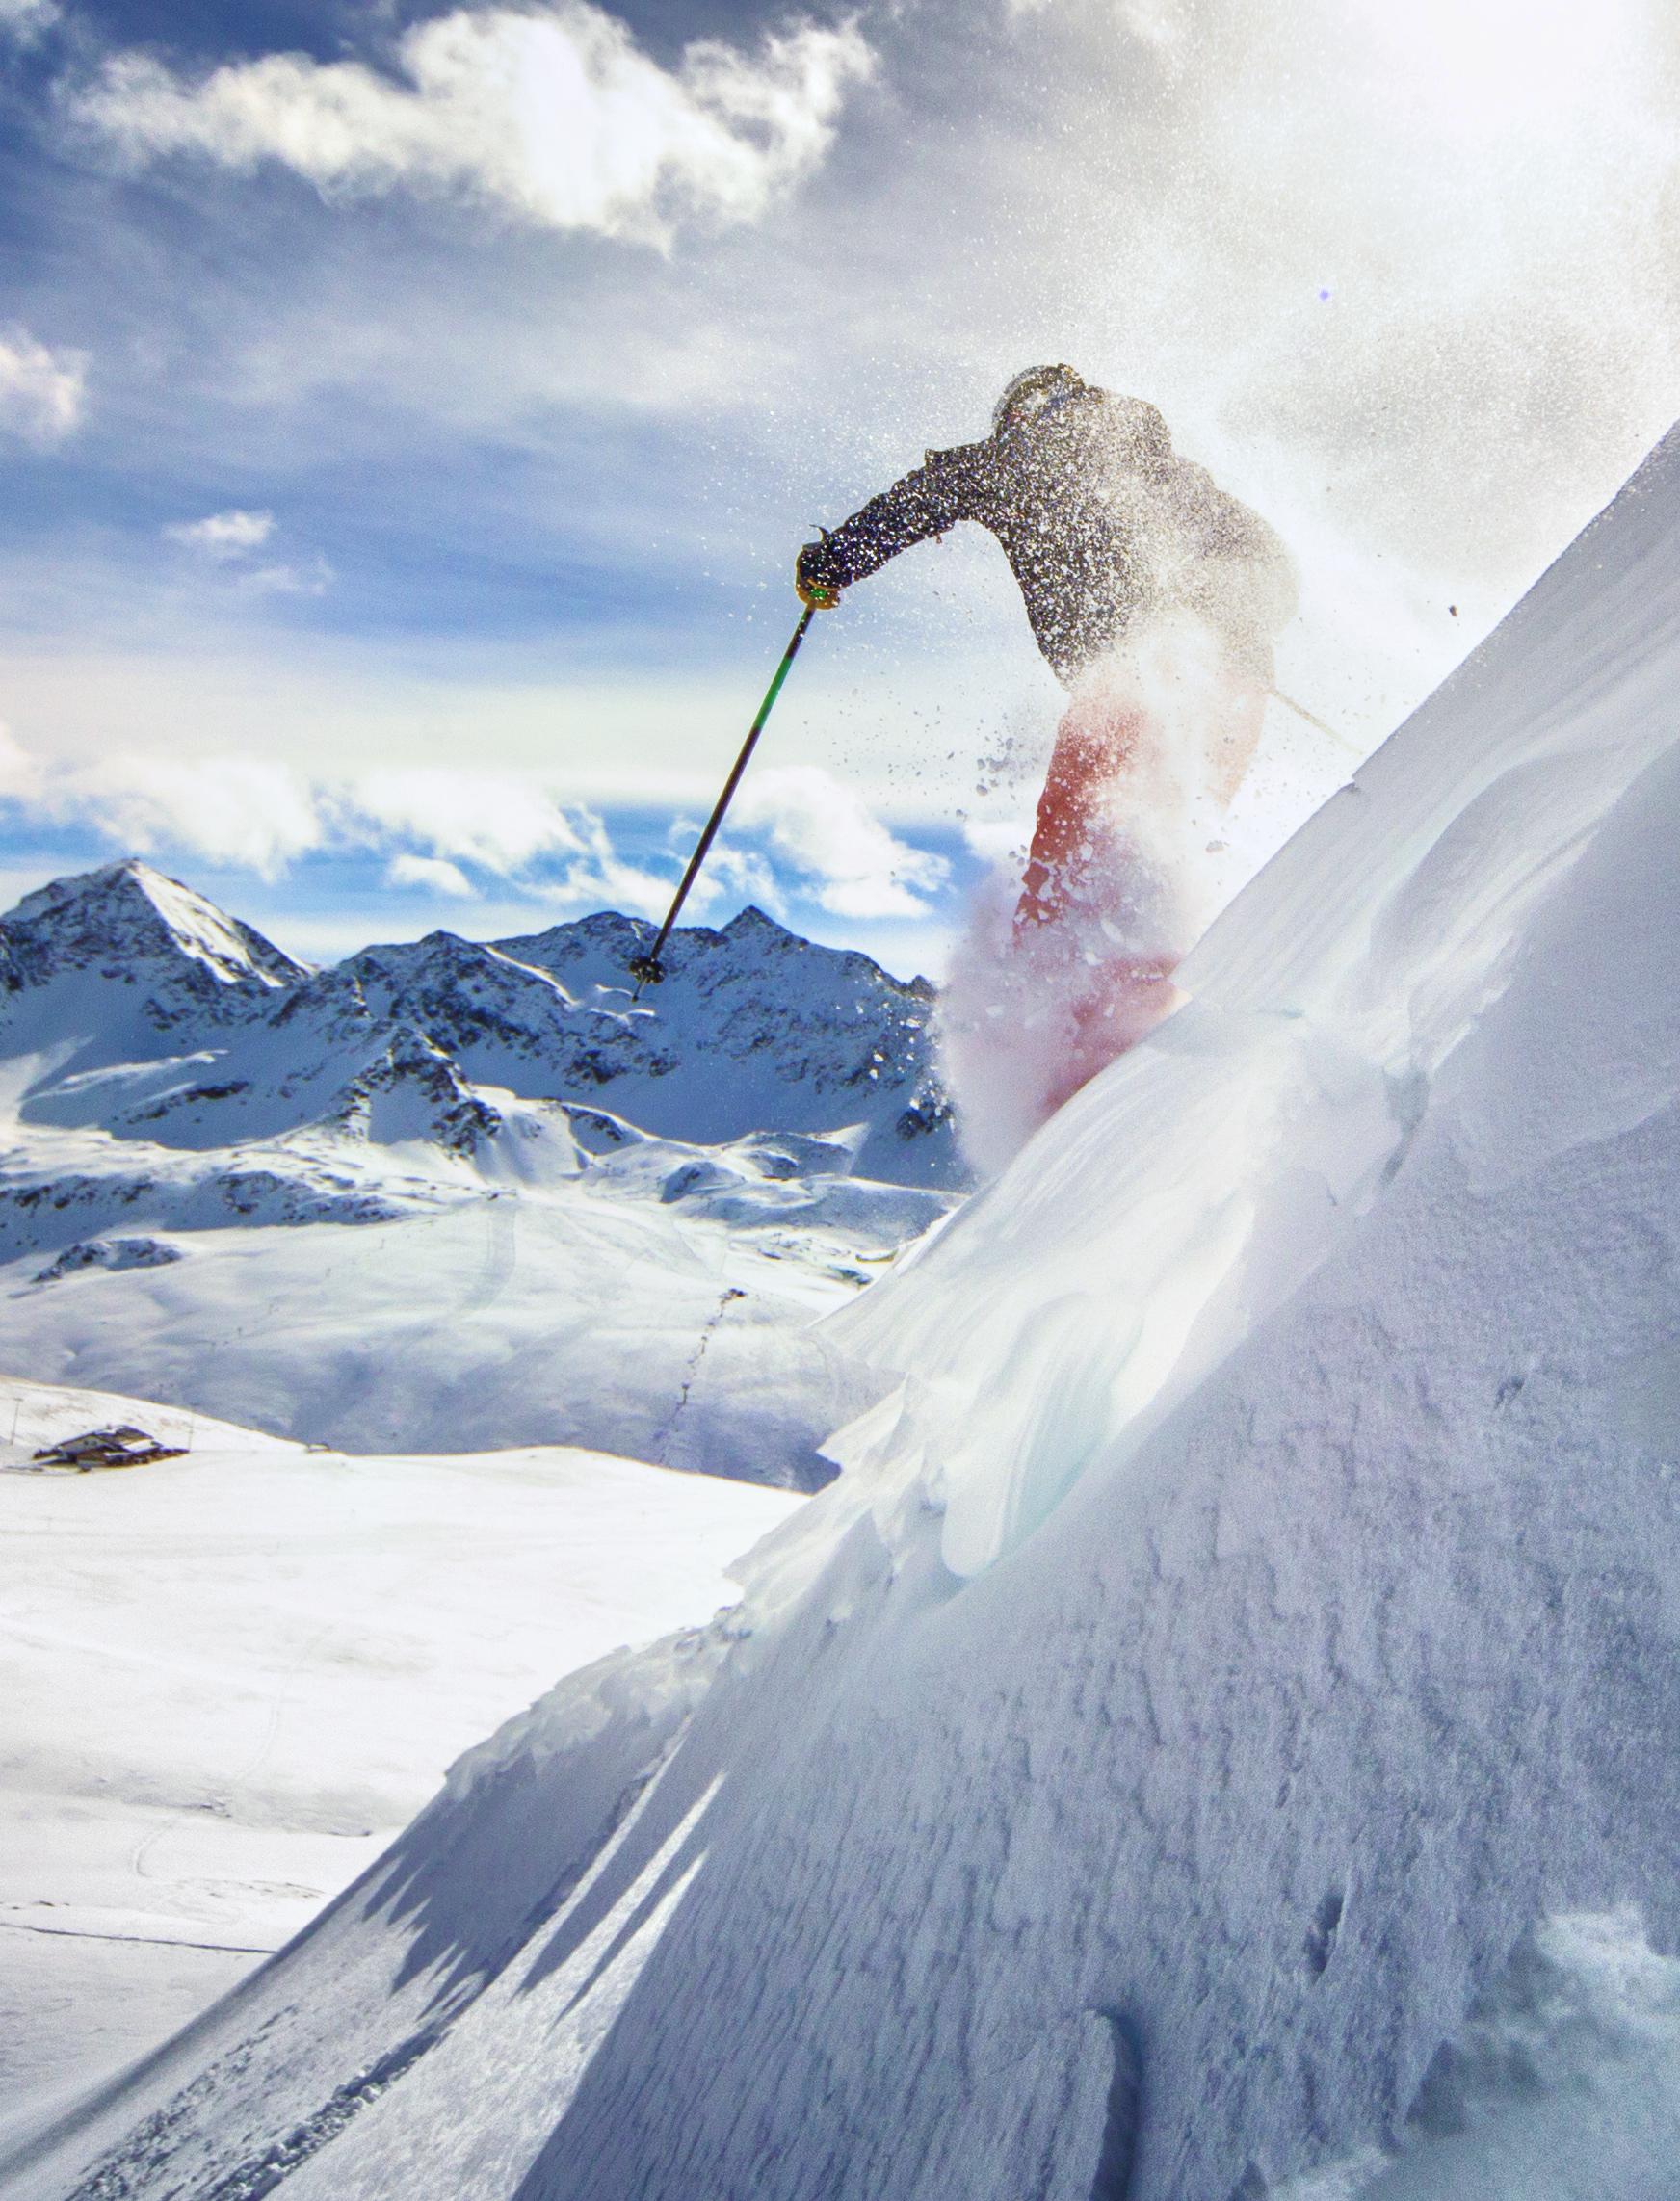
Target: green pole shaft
[[650, 961]]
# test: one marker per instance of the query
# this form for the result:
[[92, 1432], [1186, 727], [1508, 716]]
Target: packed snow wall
[[1218, 1730]]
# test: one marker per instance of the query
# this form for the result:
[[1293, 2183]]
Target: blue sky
[[408, 412]]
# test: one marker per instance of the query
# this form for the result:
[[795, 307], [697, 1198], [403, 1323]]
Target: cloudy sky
[[408, 413]]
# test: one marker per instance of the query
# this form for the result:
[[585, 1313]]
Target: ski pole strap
[[645, 969]]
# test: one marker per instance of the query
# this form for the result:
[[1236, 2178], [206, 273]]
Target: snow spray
[[1056, 979]]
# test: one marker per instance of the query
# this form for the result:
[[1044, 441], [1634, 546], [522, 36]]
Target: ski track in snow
[[725, 1301], [147, 1940]]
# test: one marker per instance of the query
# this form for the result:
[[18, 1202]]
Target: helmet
[[1033, 394]]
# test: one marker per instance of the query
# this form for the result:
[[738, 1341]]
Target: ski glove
[[818, 594]]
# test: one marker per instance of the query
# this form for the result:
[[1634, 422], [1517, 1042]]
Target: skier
[[1114, 540]]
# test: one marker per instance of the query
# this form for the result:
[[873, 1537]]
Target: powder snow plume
[[1046, 989]]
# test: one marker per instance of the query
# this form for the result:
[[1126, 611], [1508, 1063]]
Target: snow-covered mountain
[[1215, 1738], [163, 1019], [184, 1107], [131, 927]]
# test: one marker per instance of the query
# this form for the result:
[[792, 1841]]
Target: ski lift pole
[[647, 970]]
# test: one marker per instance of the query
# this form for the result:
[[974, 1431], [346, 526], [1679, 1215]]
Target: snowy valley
[[450, 1196], [232, 1676], [1215, 1738], [395, 1210]]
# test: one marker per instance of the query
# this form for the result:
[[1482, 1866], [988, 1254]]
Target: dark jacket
[[1101, 524]]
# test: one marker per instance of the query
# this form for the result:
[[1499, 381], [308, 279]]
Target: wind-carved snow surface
[[1565, 2080], [400, 1205], [1213, 1735]]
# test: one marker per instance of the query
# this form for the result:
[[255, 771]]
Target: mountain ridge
[[754, 1028], [436, 1195]]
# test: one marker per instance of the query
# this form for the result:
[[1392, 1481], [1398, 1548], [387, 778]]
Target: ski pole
[[647, 970], [1301, 712]]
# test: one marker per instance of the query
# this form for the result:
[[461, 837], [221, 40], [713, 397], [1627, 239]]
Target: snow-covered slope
[[605, 1318], [1219, 1731], [229, 1678], [528, 1265]]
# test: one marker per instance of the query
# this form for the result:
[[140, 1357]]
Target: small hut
[[122, 1445]]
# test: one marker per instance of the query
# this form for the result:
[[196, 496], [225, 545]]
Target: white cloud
[[828, 831], [224, 535], [42, 392], [231, 539], [229, 809], [432, 874], [241, 810], [26, 19], [999, 839], [20, 777], [742, 873], [262, 815], [311, 580], [549, 112], [600, 878], [501, 820]]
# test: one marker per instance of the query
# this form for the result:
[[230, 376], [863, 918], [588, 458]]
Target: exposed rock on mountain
[[166, 1020], [798, 1036], [123, 950]]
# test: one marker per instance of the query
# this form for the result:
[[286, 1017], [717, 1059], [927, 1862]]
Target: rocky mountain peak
[[125, 918], [596, 951], [755, 1030]]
